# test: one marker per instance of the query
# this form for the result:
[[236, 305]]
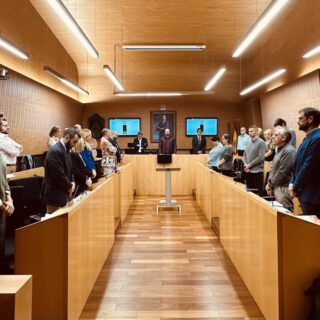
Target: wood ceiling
[[220, 24]]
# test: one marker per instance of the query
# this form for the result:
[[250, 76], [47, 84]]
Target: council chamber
[[159, 160]]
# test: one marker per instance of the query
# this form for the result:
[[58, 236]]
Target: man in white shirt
[[243, 140], [9, 149]]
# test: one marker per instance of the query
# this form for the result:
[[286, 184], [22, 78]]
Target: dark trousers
[[310, 209], [2, 241], [255, 181]]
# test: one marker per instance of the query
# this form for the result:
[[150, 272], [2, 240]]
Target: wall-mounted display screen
[[125, 126], [209, 126]]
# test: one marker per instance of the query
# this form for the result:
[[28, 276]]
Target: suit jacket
[[80, 172], [119, 151], [199, 146], [144, 144], [306, 173], [57, 175], [167, 145]]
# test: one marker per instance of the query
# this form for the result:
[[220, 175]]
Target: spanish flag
[[235, 136]]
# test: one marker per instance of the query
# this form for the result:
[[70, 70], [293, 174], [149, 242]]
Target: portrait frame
[[156, 121]]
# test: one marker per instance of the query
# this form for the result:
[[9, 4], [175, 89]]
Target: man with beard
[[305, 181], [167, 144], [58, 176]]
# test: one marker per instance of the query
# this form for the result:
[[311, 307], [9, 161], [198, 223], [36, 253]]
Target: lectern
[[168, 202]]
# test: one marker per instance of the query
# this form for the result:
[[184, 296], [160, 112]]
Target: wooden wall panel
[[286, 101], [142, 108], [21, 24], [32, 109]]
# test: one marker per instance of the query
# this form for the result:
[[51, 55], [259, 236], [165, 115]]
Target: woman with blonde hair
[[80, 172], [270, 147], [86, 153], [54, 136]]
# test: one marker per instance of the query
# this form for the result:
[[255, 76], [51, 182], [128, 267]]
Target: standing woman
[[54, 136], [226, 156], [6, 207], [86, 153], [109, 160], [270, 147]]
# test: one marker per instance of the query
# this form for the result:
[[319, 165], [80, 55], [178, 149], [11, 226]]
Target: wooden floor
[[168, 267]]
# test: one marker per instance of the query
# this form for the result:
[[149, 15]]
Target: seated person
[[79, 169], [214, 154], [140, 143]]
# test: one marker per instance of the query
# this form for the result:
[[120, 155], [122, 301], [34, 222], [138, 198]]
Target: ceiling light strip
[[215, 79], [312, 52], [11, 47], [62, 11], [65, 81], [113, 78], [147, 94], [263, 21], [263, 81], [193, 47]]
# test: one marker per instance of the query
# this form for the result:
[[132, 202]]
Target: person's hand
[[269, 190], [94, 173], [73, 186], [290, 189], [89, 183], [199, 152], [246, 169], [8, 208]]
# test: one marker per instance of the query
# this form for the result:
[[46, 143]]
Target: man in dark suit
[[58, 177], [167, 144], [140, 143], [305, 181], [199, 143]]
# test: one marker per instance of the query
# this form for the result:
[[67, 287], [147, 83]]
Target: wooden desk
[[147, 181], [275, 253], [28, 173], [15, 297], [66, 252]]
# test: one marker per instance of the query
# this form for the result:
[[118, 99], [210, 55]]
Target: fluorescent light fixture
[[215, 79], [191, 47], [148, 94], [62, 11], [263, 81], [113, 77], [312, 52], [9, 46], [272, 10], [65, 81]]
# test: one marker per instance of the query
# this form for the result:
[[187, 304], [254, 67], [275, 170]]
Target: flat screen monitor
[[209, 126], [164, 158], [125, 127]]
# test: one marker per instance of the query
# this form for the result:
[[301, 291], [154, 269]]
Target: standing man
[[58, 177], [199, 143], [140, 143], [254, 160], [282, 123], [243, 140], [9, 149], [282, 168], [114, 142], [305, 181], [162, 126], [167, 144]]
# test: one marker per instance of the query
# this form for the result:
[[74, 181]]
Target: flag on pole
[[235, 136]]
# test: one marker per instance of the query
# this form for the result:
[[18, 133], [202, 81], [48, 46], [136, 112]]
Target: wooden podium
[[168, 202]]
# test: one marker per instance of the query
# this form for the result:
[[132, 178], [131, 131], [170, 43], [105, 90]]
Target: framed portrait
[[161, 120]]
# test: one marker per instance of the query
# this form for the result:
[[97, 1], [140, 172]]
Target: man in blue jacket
[[305, 182]]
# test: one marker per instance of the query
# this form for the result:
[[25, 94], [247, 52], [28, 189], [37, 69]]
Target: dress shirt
[[52, 141], [9, 149], [214, 155], [243, 140]]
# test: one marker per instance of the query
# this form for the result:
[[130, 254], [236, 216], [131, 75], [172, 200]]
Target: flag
[[229, 131], [235, 136]]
